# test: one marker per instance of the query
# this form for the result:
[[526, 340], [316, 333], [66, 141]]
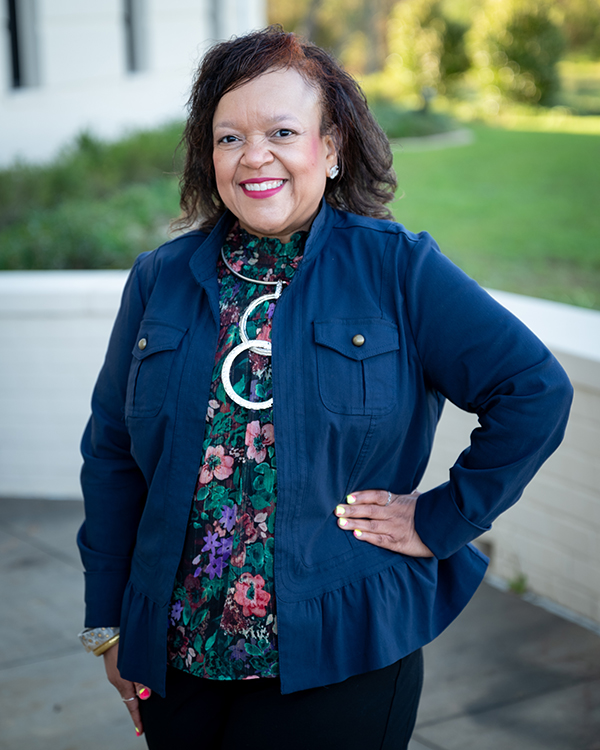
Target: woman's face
[[271, 162]]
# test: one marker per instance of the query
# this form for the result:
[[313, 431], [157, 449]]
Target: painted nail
[[137, 732], [144, 693], [357, 533], [350, 499], [342, 521], [340, 510]]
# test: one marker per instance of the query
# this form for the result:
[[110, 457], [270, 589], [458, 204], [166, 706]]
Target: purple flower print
[[215, 567], [238, 651], [228, 518], [226, 547], [212, 542], [176, 611]]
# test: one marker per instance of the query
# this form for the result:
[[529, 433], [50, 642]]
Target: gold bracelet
[[106, 645]]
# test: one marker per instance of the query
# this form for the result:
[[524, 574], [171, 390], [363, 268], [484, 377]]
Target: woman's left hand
[[390, 525]]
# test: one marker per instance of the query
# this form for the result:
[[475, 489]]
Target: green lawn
[[518, 211]]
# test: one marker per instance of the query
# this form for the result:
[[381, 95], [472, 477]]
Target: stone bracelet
[[98, 640]]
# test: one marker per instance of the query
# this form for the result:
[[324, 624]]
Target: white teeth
[[259, 187]]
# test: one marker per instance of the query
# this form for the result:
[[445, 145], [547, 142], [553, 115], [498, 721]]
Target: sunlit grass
[[516, 210]]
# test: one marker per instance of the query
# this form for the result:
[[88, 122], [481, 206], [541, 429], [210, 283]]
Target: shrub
[[580, 21], [515, 47], [89, 168], [427, 49]]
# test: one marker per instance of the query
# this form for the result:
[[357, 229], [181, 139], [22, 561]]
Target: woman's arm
[[484, 360], [114, 488]]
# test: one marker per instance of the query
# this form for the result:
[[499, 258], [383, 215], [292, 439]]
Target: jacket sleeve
[[114, 488], [483, 359]]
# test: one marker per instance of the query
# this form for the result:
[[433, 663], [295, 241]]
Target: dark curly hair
[[366, 181]]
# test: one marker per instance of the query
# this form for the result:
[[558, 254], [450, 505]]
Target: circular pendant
[[255, 345], [248, 311]]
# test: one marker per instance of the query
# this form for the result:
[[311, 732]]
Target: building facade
[[107, 66]]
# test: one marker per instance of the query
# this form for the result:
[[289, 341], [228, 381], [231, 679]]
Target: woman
[[265, 414]]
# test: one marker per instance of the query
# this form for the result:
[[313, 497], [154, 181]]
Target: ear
[[331, 153]]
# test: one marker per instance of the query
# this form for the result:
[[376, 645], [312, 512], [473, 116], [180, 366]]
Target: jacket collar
[[203, 261]]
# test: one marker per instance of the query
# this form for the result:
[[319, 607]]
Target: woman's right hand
[[131, 692]]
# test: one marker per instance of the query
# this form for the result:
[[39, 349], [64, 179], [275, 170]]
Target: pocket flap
[[156, 336], [359, 338]]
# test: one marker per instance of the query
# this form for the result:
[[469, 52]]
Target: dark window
[[15, 50], [135, 35], [23, 43]]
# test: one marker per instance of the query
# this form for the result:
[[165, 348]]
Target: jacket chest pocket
[[153, 355], [357, 365]]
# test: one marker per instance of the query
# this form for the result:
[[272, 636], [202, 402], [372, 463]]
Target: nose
[[256, 153]]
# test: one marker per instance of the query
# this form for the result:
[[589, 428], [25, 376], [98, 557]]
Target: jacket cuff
[[104, 597], [440, 523]]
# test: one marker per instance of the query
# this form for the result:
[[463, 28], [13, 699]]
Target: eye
[[228, 139], [284, 133]]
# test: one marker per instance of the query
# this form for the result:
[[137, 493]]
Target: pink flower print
[[216, 463], [265, 332], [212, 407], [250, 595], [258, 439]]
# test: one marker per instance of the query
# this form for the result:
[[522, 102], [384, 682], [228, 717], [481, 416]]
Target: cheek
[[315, 150]]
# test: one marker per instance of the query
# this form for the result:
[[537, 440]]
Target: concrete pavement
[[505, 676]]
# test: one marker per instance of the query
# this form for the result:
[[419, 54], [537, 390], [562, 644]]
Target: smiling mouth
[[261, 187]]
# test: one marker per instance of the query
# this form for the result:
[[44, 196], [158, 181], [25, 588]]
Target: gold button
[[358, 340], [142, 343]]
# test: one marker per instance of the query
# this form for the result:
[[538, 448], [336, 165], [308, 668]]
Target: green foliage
[[398, 122], [98, 205], [427, 49], [89, 168], [515, 46], [518, 584], [580, 22], [92, 233]]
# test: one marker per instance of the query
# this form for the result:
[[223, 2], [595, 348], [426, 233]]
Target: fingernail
[[138, 732], [144, 693], [343, 521], [340, 510], [357, 532], [350, 499]]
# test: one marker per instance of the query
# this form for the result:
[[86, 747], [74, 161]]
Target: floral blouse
[[222, 622]]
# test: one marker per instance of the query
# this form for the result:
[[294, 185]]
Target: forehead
[[274, 94]]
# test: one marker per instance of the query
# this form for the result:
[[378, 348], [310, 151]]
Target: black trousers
[[372, 711]]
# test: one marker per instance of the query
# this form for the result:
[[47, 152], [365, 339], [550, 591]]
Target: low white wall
[[54, 328]]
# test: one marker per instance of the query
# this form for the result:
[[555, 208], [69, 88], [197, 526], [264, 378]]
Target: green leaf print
[[209, 643], [265, 479], [261, 500], [255, 556], [187, 612], [198, 618]]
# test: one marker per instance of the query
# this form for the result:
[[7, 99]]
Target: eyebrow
[[272, 121]]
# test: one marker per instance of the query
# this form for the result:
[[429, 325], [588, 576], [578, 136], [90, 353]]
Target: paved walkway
[[505, 676]]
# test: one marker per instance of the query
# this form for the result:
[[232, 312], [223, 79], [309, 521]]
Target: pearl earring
[[334, 172]]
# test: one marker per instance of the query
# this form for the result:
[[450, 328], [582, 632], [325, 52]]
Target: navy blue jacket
[[346, 418]]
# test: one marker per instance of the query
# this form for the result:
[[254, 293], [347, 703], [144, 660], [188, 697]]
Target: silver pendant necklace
[[258, 346]]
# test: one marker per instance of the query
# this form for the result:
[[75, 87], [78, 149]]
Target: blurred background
[[492, 108]]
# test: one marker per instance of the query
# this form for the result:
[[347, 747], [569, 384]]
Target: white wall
[[54, 328], [83, 81]]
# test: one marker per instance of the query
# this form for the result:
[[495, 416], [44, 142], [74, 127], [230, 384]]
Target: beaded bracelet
[[99, 640]]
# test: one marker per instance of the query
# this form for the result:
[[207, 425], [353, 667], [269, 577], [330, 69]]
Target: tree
[[427, 50], [515, 47]]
